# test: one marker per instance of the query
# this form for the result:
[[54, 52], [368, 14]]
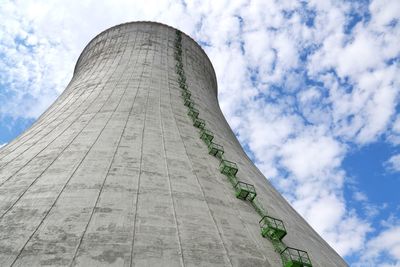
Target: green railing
[[295, 257], [272, 228], [193, 113], [245, 191], [216, 150], [207, 136]]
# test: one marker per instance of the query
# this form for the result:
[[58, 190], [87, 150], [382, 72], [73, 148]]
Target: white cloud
[[361, 58], [370, 209], [396, 125], [352, 235], [360, 196], [393, 164], [383, 249], [394, 134], [383, 13], [305, 158]]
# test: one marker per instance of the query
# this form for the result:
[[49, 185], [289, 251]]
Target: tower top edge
[[146, 22]]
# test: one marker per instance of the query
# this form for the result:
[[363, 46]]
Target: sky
[[310, 88]]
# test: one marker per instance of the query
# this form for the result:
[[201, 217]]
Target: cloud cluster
[[31, 65], [393, 164], [387, 242], [356, 68], [383, 249], [298, 82]]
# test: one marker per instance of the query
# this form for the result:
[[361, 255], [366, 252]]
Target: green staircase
[[271, 228]]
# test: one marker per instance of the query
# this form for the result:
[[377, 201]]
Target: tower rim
[[148, 22]]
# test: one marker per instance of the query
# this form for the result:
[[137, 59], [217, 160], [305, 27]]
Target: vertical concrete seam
[[275, 238], [205, 199], [62, 189], [166, 165], [201, 189], [229, 196], [113, 157], [141, 159]]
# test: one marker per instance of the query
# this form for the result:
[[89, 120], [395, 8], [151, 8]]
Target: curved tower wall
[[114, 172]]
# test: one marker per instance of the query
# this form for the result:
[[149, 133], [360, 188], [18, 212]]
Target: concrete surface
[[114, 173]]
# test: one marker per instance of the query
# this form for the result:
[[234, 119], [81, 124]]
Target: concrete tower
[[134, 164]]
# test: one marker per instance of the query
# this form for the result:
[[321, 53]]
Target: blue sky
[[311, 89]]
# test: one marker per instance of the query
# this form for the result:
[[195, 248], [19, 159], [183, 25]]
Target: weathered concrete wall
[[114, 172]]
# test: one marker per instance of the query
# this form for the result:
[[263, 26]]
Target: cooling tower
[[135, 165]]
